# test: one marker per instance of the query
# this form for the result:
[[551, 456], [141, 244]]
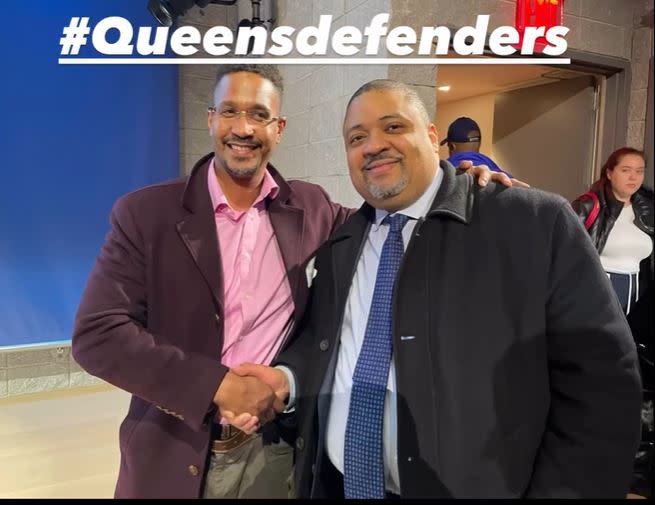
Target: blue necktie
[[363, 452]]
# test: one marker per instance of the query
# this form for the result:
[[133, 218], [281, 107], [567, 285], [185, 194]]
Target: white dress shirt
[[352, 336]]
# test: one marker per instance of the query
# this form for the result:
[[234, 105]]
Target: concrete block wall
[[196, 84], [316, 97], [640, 55], [623, 29]]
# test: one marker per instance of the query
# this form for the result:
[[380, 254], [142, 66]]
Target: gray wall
[[640, 55], [316, 97]]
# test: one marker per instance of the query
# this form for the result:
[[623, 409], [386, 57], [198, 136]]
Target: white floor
[[62, 444]]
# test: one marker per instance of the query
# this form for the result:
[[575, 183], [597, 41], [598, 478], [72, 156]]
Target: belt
[[229, 438]]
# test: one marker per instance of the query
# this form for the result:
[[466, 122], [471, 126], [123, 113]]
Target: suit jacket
[[516, 372], [151, 318]]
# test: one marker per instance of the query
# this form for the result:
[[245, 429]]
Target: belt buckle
[[226, 432], [230, 438]]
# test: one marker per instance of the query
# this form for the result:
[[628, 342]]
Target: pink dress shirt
[[257, 296]]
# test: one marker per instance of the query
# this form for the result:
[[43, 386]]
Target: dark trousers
[[626, 288]]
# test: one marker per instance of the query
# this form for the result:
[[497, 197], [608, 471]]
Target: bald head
[[389, 85]]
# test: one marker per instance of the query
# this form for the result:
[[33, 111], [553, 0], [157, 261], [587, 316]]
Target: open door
[[546, 134]]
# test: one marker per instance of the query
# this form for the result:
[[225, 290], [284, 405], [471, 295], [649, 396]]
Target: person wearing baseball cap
[[464, 140]]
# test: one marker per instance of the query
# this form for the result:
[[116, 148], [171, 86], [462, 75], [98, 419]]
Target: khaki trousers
[[252, 470]]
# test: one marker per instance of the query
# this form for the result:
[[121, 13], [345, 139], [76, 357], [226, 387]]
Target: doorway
[[539, 123]]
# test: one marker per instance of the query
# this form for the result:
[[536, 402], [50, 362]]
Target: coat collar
[[454, 200], [455, 196]]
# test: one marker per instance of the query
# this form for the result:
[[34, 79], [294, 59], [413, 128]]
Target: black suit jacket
[[521, 377]]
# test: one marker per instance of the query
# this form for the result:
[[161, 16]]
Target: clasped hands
[[252, 395]]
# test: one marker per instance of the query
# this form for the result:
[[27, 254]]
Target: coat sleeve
[[593, 424], [111, 340]]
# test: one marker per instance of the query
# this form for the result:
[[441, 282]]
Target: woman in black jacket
[[618, 214]]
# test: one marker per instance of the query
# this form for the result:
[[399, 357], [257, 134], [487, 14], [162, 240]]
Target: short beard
[[382, 193], [243, 173], [238, 173]]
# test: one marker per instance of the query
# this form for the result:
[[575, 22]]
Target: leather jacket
[[610, 208]]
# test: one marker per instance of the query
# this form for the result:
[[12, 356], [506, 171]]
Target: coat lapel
[[198, 229], [288, 223]]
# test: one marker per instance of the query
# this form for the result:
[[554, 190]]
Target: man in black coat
[[533, 393]]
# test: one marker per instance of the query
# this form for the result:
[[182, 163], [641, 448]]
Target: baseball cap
[[458, 131]]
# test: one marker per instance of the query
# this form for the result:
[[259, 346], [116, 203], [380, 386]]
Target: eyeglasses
[[256, 117]]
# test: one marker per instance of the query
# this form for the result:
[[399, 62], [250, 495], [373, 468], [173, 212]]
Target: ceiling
[[474, 80]]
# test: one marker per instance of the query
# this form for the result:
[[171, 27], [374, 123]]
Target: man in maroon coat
[[196, 276]]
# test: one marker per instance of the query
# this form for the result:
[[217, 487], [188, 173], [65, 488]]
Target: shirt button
[[218, 318], [193, 470], [323, 346], [300, 443]]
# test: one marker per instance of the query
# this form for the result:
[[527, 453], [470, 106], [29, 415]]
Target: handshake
[[252, 395]]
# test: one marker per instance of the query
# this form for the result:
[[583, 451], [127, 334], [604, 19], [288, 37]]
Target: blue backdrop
[[73, 139]]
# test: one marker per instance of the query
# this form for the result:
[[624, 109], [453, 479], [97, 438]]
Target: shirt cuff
[[291, 379]]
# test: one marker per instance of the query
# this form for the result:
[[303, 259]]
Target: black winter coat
[[520, 376]]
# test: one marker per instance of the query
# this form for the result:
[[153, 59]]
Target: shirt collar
[[269, 189], [420, 207]]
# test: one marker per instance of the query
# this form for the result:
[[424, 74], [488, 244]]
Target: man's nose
[[241, 126], [375, 144]]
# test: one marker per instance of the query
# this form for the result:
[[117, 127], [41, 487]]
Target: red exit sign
[[538, 14]]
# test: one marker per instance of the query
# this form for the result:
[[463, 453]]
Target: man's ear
[[433, 134], [281, 125]]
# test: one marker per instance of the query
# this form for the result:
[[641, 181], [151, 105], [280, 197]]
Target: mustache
[[248, 141], [384, 155]]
